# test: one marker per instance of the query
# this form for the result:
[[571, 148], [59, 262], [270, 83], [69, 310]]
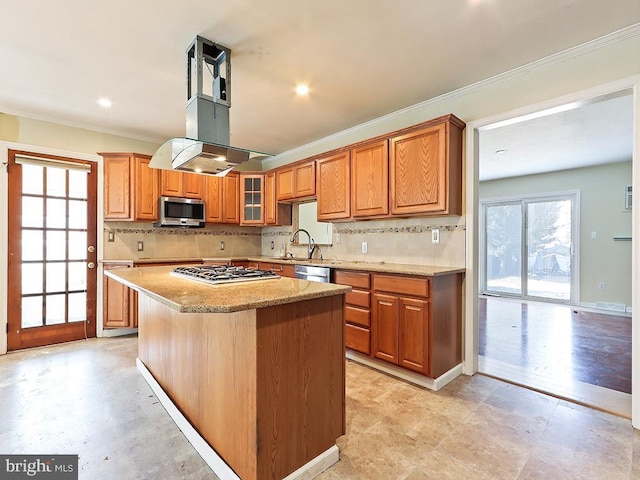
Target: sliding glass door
[[528, 247]]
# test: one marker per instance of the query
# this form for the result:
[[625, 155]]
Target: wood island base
[[259, 393]]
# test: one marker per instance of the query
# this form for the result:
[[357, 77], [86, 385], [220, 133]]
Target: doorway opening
[[554, 271], [52, 250]]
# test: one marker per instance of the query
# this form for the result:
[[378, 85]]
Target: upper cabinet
[[274, 213], [221, 198], [175, 183], [296, 182], [131, 188], [416, 171], [251, 199], [370, 179], [425, 169], [332, 186]]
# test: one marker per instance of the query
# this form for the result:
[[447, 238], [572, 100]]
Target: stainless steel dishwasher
[[313, 273]]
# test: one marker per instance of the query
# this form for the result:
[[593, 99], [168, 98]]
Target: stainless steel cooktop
[[215, 274]]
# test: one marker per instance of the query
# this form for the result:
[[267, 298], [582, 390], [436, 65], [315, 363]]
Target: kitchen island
[[255, 368]]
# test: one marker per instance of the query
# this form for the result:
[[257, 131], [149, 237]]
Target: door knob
[[91, 249], [91, 265]]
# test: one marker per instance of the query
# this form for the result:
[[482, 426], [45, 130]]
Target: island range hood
[[205, 149]]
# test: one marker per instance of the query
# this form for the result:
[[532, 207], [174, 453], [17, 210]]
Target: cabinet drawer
[[358, 338], [417, 286], [359, 298], [358, 316], [354, 279]]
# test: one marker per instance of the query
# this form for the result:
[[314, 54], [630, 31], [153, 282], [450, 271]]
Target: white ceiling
[[361, 58], [595, 133]]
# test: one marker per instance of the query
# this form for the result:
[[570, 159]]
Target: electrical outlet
[[435, 235], [601, 285], [272, 245], [140, 246], [111, 237], [221, 245], [594, 234], [364, 247], [338, 238]]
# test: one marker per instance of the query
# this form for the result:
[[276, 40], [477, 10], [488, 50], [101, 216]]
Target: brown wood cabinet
[[357, 309], [120, 308], [120, 303], [425, 169], [417, 322], [251, 199], [370, 180], [221, 198], [296, 182], [274, 213], [333, 187], [130, 187], [175, 183], [284, 270]]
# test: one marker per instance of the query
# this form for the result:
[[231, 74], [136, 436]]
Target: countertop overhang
[[191, 296]]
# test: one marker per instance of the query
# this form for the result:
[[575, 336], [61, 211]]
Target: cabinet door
[[305, 180], [418, 171], [213, 199], [193, 185], [116, 302], [333, 187], [146, 189], [284, 183], [230, 198], [252, 198], [171, 183], [384, 331], [270, 203], [414, 335], [117, 187], [370, 180]]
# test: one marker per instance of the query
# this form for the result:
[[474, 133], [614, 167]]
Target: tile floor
[[87, 398]]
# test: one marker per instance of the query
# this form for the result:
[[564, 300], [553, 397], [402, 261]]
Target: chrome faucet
[[312, 245]]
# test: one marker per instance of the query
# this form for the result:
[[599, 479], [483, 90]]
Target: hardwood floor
[[555, 348]]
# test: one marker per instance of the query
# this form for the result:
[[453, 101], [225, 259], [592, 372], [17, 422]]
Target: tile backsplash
[[178, 242], [396, 241]]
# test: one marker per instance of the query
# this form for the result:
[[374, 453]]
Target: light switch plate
[[140, 246], [364, 247], [435, 235], [222, 245]]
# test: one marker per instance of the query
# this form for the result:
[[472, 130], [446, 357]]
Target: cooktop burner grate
[[215, 274]]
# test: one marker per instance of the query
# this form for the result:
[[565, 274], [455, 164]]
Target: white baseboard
[[117, 332], [407, 375], [308, 471]]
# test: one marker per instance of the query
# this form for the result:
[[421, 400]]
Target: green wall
[[601, 210]]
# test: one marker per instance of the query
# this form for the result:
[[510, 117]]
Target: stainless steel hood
[[206, 146]]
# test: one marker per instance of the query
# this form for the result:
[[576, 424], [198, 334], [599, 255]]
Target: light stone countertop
[[191, 296], [379, 267]]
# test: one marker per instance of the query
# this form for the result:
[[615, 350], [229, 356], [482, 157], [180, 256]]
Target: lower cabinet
[[357, 309], [120, 302], [417, 322], [279, 268]]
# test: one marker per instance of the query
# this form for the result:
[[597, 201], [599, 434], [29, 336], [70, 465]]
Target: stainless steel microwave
[[180, 212]]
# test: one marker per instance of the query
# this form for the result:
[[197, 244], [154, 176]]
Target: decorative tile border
[[404, 229], [183, 231]]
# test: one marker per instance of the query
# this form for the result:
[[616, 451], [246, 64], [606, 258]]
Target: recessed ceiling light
[[500, 152], [104, 102], [302, 90]]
